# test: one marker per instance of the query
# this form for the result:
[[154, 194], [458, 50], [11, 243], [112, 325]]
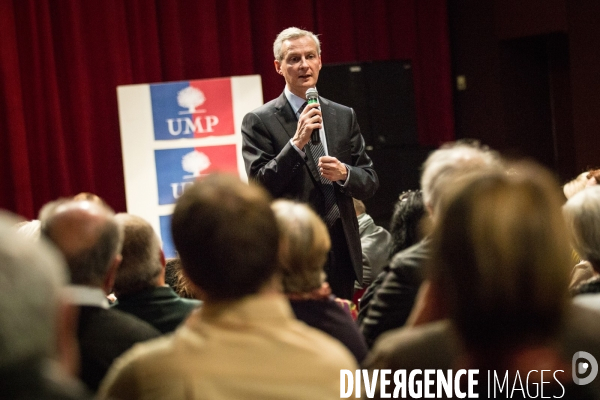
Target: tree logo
[[194, 162], [190, 98]]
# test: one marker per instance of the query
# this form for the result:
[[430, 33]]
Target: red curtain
[[61, 60]]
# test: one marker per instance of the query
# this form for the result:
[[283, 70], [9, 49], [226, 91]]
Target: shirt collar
[[86, 296], [295, 101]]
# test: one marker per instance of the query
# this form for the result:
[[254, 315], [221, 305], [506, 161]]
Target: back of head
[[405, 222], [291, 34], [141, 262], [582, 212], [304, 246], [87, 235], [501, 258], [31, 277], [451, 161], [226, 236]]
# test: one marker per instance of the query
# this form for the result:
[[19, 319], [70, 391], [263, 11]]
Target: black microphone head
[[311, 93]]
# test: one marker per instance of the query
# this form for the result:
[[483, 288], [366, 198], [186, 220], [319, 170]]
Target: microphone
[[312, 96]]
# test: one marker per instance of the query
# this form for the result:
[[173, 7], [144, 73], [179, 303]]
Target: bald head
[[88, 236]]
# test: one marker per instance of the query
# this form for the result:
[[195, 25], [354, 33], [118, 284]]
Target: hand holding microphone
[[312, 96]]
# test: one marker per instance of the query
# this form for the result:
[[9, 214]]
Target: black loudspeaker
[[382, 95]]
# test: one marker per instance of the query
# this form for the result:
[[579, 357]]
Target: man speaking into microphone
[[325, 172]]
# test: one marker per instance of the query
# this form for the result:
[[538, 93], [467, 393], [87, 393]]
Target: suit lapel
[[331, 126], [286, 117]]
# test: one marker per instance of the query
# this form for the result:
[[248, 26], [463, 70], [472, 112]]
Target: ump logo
[[190, 98], [178, 168], [585, 368], [193, 109]]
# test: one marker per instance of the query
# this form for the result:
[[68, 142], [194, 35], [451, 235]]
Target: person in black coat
[[279, 154], [90, 239]]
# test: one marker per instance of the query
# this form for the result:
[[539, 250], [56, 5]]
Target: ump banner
[[173, 133]]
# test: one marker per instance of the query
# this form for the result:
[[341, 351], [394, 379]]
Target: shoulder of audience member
[[433, 345], [123, 374], [325, 347], [408, 263], [135, 325]]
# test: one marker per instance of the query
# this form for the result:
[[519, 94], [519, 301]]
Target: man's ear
[[160, 280], [277, 65], [163, 260], [109, 279]]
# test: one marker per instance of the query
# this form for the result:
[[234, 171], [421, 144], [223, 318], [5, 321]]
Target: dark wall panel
[[382, 95]]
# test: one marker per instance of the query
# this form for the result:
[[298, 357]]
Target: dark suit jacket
[[161, 307], [327, 316], [103, 336], [272, 161], [436, 345], [387, 303]]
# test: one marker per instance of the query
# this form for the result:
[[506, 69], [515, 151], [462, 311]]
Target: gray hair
[[582, 213], [451, 161], [32, 275], [141, 263], [290, 34]]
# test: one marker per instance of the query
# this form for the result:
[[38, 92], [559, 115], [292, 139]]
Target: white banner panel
[[172, 133]]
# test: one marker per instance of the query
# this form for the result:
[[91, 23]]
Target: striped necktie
[[332, 212]]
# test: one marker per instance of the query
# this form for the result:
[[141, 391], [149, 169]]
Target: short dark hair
[[226, 235], [405, 223], [141, 264]]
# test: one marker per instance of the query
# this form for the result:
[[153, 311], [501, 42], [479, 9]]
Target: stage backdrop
[[60, 62], [173, 133]]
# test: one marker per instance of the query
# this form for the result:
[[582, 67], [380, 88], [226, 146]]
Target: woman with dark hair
[[405, 228], [405, 224]]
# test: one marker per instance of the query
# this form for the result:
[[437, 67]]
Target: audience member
[[304, 245], [140, 281], [244, 343], [38, 346], [405, 228], [583, 180], [582, 212], [90, 239], [375, 242], [29, 229], [172, 265], [498, 271], [181, 284], [393, 301]]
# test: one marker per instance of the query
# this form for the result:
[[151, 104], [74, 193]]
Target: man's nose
[[303, 62]]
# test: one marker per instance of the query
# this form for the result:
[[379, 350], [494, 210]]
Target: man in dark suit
[[90, 239], [279, 154], [140, 281]]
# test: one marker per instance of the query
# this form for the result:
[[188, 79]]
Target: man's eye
[[294, 59]]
